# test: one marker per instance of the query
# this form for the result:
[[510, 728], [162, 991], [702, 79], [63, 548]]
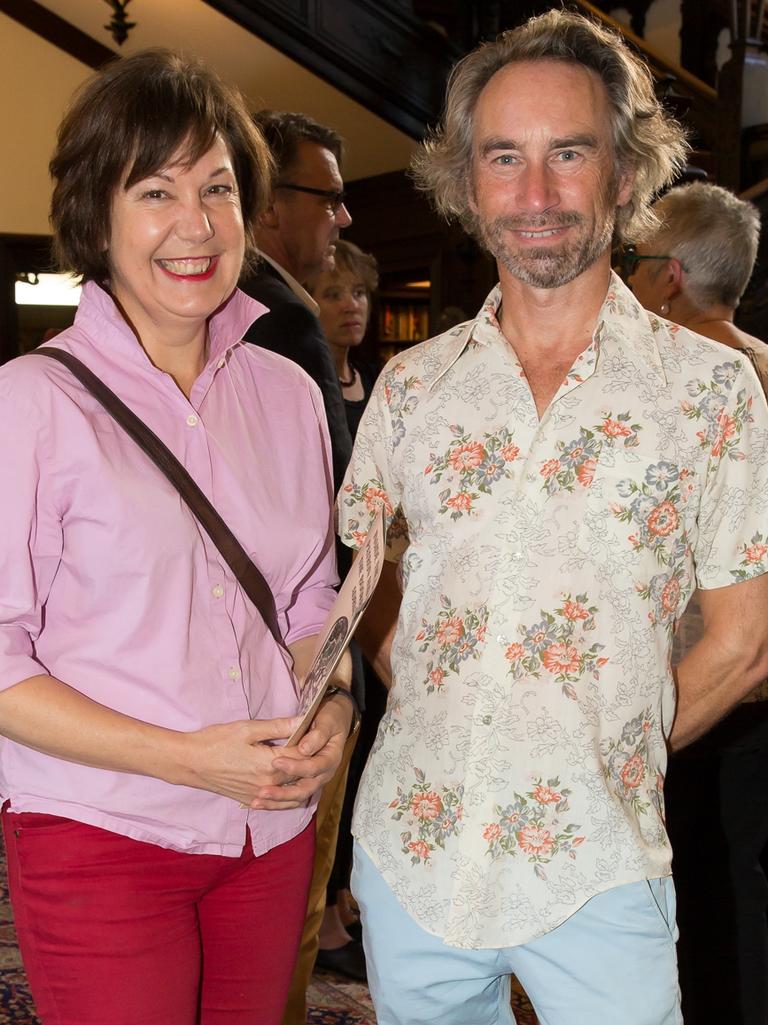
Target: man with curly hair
[[511, 818]]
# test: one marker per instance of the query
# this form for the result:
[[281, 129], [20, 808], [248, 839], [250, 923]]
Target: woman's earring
[[664, 309]]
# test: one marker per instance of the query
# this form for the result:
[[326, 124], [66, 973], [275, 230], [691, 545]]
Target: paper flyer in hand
[[350, 604]]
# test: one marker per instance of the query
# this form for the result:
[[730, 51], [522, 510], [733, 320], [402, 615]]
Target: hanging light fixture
[[119, 26]]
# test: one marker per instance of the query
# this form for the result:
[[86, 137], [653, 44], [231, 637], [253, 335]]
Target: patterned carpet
[[333, 1000], [16, 1006]]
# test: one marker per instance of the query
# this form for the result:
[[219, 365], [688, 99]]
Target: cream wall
[[267, 77], [36, 81]]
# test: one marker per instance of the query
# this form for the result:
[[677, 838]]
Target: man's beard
[[548, 266]]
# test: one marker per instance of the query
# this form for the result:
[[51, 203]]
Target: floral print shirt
[[691, 625], [518, 770]]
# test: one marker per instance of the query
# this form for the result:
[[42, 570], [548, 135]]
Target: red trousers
[[118, 932]]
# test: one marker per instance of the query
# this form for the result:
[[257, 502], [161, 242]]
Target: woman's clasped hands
[[246, 762]]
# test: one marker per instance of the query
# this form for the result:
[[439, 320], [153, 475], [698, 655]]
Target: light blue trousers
[[613, 962]]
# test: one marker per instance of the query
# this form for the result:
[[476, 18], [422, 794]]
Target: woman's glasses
[[629, 258]]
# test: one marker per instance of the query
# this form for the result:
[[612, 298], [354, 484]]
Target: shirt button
[[501, 639], [233, 673], [217, 591], [193, 420], [517, 556], [220, 364], [531, 478]]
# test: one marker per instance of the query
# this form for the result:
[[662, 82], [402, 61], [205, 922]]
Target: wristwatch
[[332, 691]]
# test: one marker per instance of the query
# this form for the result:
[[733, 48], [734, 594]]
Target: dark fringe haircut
[[125, 124]]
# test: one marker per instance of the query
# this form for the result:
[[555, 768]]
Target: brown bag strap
[[233, 553]]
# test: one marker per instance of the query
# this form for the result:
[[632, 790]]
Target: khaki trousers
[[327, 832]]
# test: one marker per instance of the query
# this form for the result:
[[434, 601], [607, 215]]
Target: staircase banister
[[755, 191], [695, 84]]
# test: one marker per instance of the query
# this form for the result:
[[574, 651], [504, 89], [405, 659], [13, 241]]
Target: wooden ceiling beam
[[56, 30]]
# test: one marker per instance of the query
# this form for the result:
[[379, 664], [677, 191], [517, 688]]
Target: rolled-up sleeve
[[732, 544], [304, 604], [370, 480], [30, 535]]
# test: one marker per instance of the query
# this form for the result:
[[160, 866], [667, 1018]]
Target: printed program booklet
[[350, 604]]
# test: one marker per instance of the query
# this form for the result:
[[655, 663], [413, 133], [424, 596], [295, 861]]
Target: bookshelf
[[403, 316], [426, 268]]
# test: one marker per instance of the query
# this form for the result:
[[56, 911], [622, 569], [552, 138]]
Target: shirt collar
[[227, 326], [622, 321], [98, 316], [624, 324], [298, 290]]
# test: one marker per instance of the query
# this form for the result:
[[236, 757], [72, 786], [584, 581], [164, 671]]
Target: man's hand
[[729, 660]]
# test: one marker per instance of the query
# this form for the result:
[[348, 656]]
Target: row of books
[[403, 322]]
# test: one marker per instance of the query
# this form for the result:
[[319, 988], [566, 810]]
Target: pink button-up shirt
[[108, 583]]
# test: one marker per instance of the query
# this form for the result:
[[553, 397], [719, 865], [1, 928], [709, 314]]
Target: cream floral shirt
[[519, 767], [691, 625]]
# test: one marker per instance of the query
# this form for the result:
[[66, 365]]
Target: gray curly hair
[[646, 141]]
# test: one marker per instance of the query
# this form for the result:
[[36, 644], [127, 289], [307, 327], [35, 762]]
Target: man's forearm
[[711, 679], [378, 650], [377, 627]]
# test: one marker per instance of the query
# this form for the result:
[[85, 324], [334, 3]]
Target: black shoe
[[348, 960]]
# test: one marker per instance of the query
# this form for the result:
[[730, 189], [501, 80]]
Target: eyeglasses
[[630, 258], [334, 197]]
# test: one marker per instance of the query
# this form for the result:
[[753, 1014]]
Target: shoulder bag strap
[[246, 572]]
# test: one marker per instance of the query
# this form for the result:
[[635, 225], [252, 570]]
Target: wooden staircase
[[394, 57]]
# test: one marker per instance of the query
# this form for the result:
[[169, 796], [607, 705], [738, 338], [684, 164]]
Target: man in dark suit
[[295, 237]]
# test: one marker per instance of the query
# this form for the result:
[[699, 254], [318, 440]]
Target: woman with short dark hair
[[160, 842]]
